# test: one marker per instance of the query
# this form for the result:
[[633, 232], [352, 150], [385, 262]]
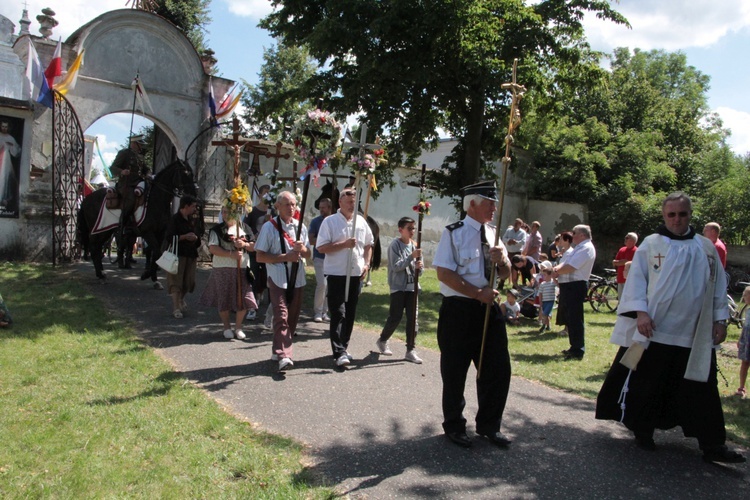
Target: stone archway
[[124, 42]]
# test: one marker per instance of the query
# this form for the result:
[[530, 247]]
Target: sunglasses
[[672, 215]]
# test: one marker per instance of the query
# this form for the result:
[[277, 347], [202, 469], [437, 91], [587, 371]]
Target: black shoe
[[645, 442], [498, 439], [723, 454], [124, 266], [572, 354], [460, 438], [131, 260]]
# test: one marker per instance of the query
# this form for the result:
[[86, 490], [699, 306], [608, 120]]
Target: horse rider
[[130, 168]]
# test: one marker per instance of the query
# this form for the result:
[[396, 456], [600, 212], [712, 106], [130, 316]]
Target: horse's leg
[[95, 250]]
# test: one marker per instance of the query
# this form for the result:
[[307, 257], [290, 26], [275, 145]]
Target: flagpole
[[135, 96]]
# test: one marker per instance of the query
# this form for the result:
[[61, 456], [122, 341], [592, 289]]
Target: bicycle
[[602, 293], [736, 313]]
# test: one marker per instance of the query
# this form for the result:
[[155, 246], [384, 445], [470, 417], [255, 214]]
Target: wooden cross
[[236, 144], [659, 257]]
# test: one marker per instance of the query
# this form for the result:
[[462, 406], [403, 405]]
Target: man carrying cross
[[279, 246], [672, 313]]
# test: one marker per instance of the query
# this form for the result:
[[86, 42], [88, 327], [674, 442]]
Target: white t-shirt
[[512, 311], [336, 228], [269, 242], [218, 261]]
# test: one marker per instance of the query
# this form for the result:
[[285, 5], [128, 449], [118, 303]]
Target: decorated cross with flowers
[[323, 131]]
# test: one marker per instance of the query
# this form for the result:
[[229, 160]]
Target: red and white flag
[[55, 65]]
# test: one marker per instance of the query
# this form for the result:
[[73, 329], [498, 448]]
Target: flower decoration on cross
[[315, 137], [423, 207], [237, 201], [367, 164]]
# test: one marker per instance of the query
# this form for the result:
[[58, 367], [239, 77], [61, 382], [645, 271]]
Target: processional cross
[[364, 148]]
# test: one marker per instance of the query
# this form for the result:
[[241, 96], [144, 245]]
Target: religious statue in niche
[[11, 138]]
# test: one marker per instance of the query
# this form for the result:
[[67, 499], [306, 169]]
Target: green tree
[[275, 102], [618, 145], [412, 67], [190, 16]]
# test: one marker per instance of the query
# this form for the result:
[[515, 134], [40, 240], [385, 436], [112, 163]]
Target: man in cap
[[464, 259], [130, 169]]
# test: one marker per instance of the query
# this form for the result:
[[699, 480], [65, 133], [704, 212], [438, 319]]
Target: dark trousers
[[572, 298], [459, 335], [342, 312], [401, 301]]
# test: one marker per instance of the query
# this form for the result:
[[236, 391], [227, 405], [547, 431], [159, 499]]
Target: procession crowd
[[672, 310]]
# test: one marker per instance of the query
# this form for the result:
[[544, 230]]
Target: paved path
[[374, 430]]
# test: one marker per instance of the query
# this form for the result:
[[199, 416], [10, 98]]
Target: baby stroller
[[526, 295]]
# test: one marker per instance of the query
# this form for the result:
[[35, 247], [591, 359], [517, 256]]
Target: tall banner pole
[[513, 122], [355, 216], [413, 321]]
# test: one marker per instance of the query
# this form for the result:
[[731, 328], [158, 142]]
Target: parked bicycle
[[737, 311], [602, 293]]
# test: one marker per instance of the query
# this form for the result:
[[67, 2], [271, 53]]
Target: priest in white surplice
[[673, 311]]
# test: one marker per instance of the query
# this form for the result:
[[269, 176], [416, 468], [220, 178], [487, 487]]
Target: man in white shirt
[[573, 278], [279, 261], [336, 239], [514, 239], [672, 313]]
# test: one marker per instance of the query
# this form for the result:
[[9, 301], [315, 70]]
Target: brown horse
[[332, 192]]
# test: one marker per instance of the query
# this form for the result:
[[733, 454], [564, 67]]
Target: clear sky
[[714, 34]]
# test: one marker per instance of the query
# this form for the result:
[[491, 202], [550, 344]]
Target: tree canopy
[[412, 67], [190, 16], [618, 145]]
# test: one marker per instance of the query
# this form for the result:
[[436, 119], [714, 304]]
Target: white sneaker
[[285, 364], [383, 347], [348, 356], [412, 356], [240, 335], [251, 314], [343, 360], [274, 357], [268, 322], [228, 333], [326, 317], [318, 319]]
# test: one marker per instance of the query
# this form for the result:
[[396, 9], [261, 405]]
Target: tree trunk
[[473, 152]]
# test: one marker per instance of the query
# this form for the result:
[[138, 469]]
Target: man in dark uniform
[[130, 169], [463, 260]]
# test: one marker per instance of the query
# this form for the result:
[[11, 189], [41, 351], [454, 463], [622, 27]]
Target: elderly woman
[[229, 244], [182, 226]]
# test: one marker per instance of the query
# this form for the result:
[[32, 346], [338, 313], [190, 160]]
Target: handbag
[[169, 261]]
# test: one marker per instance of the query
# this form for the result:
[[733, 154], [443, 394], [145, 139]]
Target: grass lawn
[[537, 356], [88, 411]]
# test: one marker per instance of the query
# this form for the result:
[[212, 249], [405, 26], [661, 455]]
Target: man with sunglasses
[[672, 313], [337, 239]]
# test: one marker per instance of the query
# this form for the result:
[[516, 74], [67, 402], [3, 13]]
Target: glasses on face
[[672, 215], [348, 193]]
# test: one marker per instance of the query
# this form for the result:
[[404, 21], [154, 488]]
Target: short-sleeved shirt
[[460, 250], [336, 228], [220, 261], [520, 237], [624, 253], [313, 230], [269, 241], [582, 260]]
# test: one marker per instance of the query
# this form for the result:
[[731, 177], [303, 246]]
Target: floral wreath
[[237, 201], [275, 188], [317, 123], [368, 163], [423, 207]]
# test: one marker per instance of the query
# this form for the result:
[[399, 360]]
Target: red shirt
[[722, 249], [626, 254]]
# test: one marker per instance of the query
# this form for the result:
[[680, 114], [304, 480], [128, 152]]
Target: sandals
[[177, 314], [741, 392]]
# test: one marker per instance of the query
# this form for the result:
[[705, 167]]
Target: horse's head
[[328, 191], [177, 177]]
